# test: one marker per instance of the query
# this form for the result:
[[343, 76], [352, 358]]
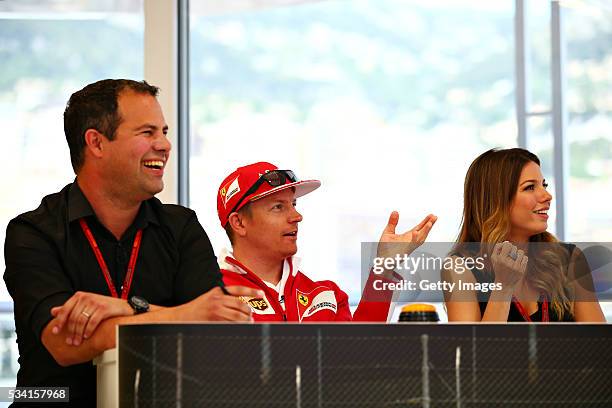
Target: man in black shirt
[[104, 251]]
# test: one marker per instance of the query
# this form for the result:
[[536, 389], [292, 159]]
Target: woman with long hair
[[526, 274]]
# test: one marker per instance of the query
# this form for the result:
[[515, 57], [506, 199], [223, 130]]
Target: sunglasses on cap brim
[[274, 178]]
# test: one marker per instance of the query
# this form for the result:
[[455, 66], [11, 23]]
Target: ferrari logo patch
[[315, 302], [229, 190]]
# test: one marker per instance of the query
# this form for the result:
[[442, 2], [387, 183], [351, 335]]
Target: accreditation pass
[[34, 394]]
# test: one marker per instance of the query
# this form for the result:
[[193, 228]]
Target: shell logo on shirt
[[321, 298]]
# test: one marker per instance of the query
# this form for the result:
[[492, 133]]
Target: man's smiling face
[[140, 150]]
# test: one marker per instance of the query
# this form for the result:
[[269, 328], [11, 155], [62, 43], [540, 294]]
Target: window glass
[[387, 102], [588, 29], [587, 26], [49, 50]]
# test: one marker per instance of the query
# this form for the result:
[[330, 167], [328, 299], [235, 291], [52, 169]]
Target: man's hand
[[215, 305], [110, 312], [84, 311], [392, 244]]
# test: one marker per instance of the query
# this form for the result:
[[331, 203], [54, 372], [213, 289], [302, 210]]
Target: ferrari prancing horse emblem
[[303, 299]]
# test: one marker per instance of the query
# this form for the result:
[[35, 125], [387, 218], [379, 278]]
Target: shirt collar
[[292, 261], [79, 207]]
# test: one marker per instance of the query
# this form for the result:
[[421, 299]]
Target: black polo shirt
[[48, 259]]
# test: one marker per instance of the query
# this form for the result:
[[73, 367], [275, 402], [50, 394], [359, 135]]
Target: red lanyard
[[545, 317], [131, 265]]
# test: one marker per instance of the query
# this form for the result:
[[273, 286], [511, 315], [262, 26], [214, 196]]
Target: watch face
[[139, 304]]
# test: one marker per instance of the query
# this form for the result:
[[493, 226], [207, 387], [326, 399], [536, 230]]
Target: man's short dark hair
[[245, 211], [95, 107]]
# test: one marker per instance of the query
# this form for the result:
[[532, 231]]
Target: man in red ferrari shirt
[[256, 206]]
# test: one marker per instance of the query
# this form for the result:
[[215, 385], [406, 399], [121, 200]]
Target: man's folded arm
[[213, 305], [103, 338]]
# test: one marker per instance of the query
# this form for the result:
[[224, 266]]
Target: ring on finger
[[84, 313]]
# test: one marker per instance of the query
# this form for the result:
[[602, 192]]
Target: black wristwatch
[[140, 305]]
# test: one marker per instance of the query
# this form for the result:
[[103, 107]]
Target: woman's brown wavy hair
[[490, 186]]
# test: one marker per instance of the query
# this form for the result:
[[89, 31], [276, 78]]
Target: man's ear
[[236, 222], [94, 142]]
